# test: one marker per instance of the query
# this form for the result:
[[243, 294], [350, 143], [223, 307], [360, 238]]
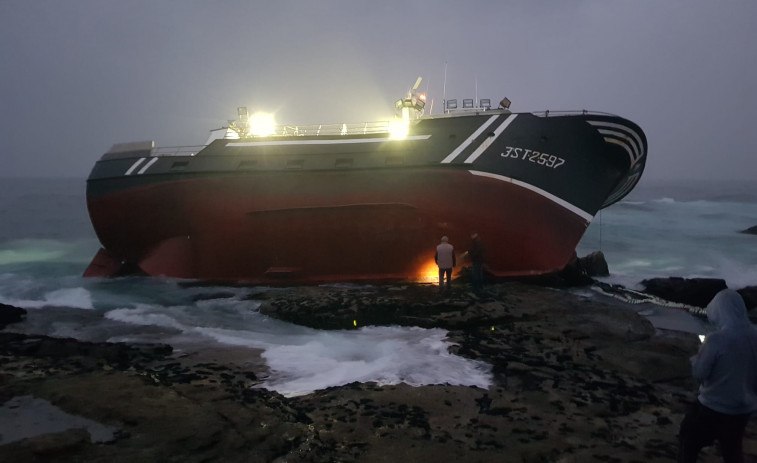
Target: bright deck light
[[398, 129], [262, 124]]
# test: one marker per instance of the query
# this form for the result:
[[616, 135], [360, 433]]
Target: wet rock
[[697, 292], [214, 295], [578, 272], [418, 305], [573, 379], [118, 354], [749, 294], [10, 314], [58, 444], [750, 230], [574, 274], [595, 264]]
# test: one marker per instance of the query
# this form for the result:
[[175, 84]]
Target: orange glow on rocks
[[428, 272]]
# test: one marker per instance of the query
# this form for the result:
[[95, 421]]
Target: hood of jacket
[[728, 311]]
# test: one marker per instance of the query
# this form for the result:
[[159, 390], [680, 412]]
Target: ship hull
[[271, 223]]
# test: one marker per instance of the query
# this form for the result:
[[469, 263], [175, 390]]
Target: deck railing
[[585, 112], [359, 128], [176, 150]]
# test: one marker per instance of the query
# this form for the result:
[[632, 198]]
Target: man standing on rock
[[445, 260], [726, 367]]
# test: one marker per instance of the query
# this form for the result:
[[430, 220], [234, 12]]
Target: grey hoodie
[[726, 365]]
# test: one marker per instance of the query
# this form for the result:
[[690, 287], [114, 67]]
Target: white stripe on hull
[[623, 136], [489, 140], [456, 152], [134, 166], [579, 212], [147, 166]]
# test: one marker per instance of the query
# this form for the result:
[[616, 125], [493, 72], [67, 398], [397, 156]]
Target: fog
[[80, 75]]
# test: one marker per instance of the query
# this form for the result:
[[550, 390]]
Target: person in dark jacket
[[726, 368], [445, 260], [476, 256]]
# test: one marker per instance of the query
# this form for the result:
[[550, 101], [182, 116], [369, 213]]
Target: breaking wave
[[303, 360], [77, 298]]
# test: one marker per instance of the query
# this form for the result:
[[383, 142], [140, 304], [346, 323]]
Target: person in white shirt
[[726, 368], [445, 260]]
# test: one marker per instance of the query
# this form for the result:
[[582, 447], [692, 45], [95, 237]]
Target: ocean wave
[[29, 251], [19, 256], [77, 298], [145, 315]]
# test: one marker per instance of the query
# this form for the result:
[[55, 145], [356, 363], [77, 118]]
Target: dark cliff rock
[[692, 291], [10, 314], [578, 272], [595, 264], [117, 354], [749, 294], [412, 305]]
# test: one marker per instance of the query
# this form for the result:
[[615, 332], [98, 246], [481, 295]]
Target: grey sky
[[77, 76]]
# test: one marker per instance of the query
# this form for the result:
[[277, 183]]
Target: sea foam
[[145, 316], [77, 298], [385, 355], [303, 360]]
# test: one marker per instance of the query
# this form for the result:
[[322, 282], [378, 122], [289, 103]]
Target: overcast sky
[[77, 76]]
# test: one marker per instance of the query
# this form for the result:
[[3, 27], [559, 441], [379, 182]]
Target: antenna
[[444, 92], [431, 108], [475, 93]]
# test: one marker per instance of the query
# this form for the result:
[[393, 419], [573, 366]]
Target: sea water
[[46, 242], [679, 228]]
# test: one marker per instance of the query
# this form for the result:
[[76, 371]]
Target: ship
[[270, 204]]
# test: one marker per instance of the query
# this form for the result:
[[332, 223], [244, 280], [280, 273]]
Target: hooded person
[[726, 369]]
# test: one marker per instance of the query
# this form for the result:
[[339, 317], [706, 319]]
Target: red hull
[[330, 226]]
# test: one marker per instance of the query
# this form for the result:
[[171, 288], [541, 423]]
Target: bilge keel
[[362, 202]]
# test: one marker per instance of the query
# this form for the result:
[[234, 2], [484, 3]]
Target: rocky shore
[[574, 379]]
